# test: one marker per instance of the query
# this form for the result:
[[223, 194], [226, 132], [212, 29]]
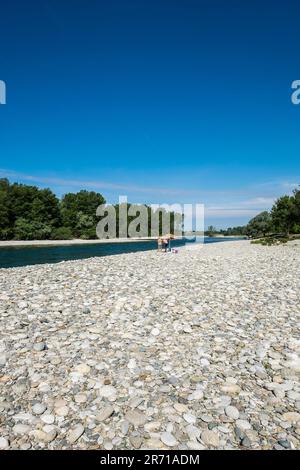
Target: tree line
[[283, 218], [30, 213]]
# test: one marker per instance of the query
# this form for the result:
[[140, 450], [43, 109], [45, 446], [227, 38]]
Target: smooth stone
[[206, 418], [231, 388], [135, 417], [193, 432], [135, 402], [284, 443], [152, 426], [155, 332], [131, 364], [224, 429], [246, 442], [4, 443], [196, 378], [44, 436], [80, 398], [125, 427], [39, 346], [189, 418], [105, 413], [168, 439], [291, 417], [75, 433], [24, 417], [21, 428], [48, 419], [194, 445], [239, 433], [243, 424], [62, 411], [48, 428], [3, 359], [108, 445], [232, 412], [38, 408], [210, 438], [83, 369], [136, 441], [25, 446], [180, 407], [44, 387]]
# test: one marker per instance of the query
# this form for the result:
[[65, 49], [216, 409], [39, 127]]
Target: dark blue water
[[23, 256]]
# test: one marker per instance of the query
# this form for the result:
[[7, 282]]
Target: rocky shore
[[195, 350]]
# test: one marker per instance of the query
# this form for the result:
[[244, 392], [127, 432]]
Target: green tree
[[45, 208], [211, 230], [61, 233], [260, 225], [5, 228], [31, 230], [283, 214], [75, 206], [296, 211]]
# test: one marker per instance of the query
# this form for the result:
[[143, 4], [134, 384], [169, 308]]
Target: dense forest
[[30, 213]]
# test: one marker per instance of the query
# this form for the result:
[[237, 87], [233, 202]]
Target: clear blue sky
[[165, 101]]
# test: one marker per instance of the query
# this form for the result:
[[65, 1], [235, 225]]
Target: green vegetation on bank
[[283, 219], [30, 213]]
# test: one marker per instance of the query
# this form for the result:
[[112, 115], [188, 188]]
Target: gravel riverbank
[[194, 350]]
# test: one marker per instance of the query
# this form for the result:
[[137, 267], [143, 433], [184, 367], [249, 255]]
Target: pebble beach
[[194, 350]]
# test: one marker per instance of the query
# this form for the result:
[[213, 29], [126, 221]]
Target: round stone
[[131, 364], [135, 417], [80, 398], [48, 419], [83, 369], [4, 443], [62, 411], [232, 412], [189, 418], [155, 332], [21, 429], [75, 433], [243, 424], [39, 346], [210, 438], [38, 408]]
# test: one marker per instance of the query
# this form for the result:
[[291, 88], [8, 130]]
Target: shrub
[[62, 233], [6, 234], [89, 234], [26, 230], [269, 241]]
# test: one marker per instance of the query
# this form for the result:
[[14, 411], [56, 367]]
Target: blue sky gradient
[[164, 101]]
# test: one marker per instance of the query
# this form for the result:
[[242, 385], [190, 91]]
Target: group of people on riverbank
[[164, 243]]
